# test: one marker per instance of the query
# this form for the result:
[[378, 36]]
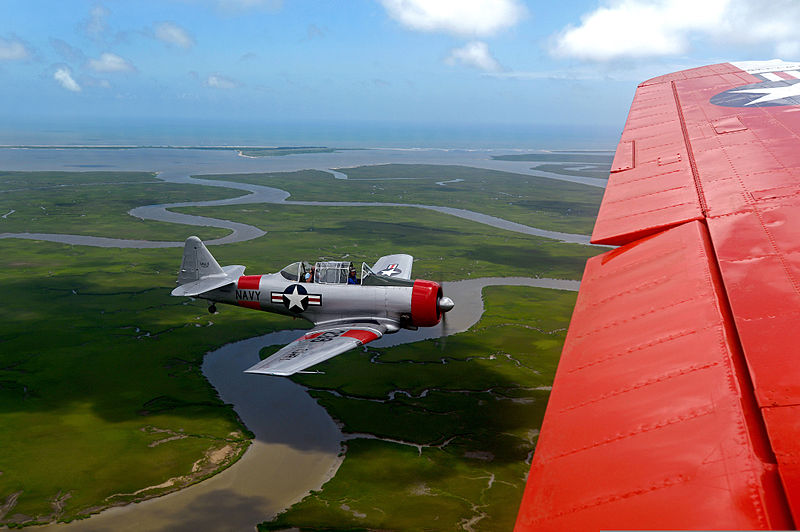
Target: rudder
[[197, 262]]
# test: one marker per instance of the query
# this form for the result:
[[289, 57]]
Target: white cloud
[[96, 25], [460, 17], [630, 29], [64, 77], [474, 54], [221, 82], [788, 48], [173, 34], [109, 62], [13, 50]]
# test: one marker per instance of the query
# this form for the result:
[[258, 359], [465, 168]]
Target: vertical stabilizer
[[197, 262]]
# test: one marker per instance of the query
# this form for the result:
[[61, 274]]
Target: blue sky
[[457, 63]]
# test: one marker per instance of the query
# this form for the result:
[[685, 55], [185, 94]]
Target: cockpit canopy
[[336, 272], [296, 271], [326, 272], [332, 272]]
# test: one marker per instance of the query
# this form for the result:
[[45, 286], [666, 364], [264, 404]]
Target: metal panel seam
[[742, 374], [692, 164], [755, 210]]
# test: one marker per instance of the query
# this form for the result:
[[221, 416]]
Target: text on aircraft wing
[[675, 400], [316, 346], [397, 266]]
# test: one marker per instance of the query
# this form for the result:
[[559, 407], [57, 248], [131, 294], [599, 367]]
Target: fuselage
[[393, 306]]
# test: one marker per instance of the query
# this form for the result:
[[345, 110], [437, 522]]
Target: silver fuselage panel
[[316, 302]]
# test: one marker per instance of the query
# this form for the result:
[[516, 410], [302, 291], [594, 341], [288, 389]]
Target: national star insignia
[[295, 298], [773, 93]]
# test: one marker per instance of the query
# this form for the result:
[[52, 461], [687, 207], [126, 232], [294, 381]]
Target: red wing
[[677, 399]]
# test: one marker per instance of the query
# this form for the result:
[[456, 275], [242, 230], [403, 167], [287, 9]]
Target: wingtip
[[267, 372]]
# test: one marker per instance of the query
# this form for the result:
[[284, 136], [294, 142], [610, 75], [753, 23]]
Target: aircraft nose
[[446, 304]]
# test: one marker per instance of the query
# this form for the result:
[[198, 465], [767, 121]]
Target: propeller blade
[[445, 304]]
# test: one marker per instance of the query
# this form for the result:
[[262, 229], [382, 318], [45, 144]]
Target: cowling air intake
[[428, 303]]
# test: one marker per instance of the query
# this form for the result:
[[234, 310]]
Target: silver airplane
[[347, 311]]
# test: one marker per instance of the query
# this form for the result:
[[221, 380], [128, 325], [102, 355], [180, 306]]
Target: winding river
[[178, 165], [297, 445]]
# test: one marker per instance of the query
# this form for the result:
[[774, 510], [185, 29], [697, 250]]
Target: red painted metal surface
[[652, 422], [361, 335], [654, 192], [424, 303], [736, 168], [750, 177], [783, 424], [249, 282]]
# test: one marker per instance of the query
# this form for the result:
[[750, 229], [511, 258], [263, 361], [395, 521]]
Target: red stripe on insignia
[[361, 335], [277, 297], [309, 336], [249, 304], [249, 282]]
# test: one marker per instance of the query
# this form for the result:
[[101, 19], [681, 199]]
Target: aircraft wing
[[398, 266], [316, 346], [676, 403]]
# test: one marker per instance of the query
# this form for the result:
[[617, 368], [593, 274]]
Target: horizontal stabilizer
[[229, 275], [397, 266]]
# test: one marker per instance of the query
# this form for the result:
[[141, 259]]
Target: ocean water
[[334, 134]]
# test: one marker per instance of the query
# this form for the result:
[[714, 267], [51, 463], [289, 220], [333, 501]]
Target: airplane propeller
[[445, 305]]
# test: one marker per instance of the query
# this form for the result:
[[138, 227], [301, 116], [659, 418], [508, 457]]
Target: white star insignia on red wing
[[774, 93]]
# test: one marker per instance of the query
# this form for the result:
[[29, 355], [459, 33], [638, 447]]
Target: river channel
[[297, 445], [178, 166]]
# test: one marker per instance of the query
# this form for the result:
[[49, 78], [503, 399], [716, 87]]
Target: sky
[[457, 64]]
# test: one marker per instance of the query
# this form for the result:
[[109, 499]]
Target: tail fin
[[197, 262], [200, 273]]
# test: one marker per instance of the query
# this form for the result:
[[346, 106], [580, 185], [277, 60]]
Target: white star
[[774, 93], [392, 270], [296, 299]]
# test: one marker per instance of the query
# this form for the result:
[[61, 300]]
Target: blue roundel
[[300, 289], [764, 94]]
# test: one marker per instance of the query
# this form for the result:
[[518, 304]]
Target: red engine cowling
[[425, 303]]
